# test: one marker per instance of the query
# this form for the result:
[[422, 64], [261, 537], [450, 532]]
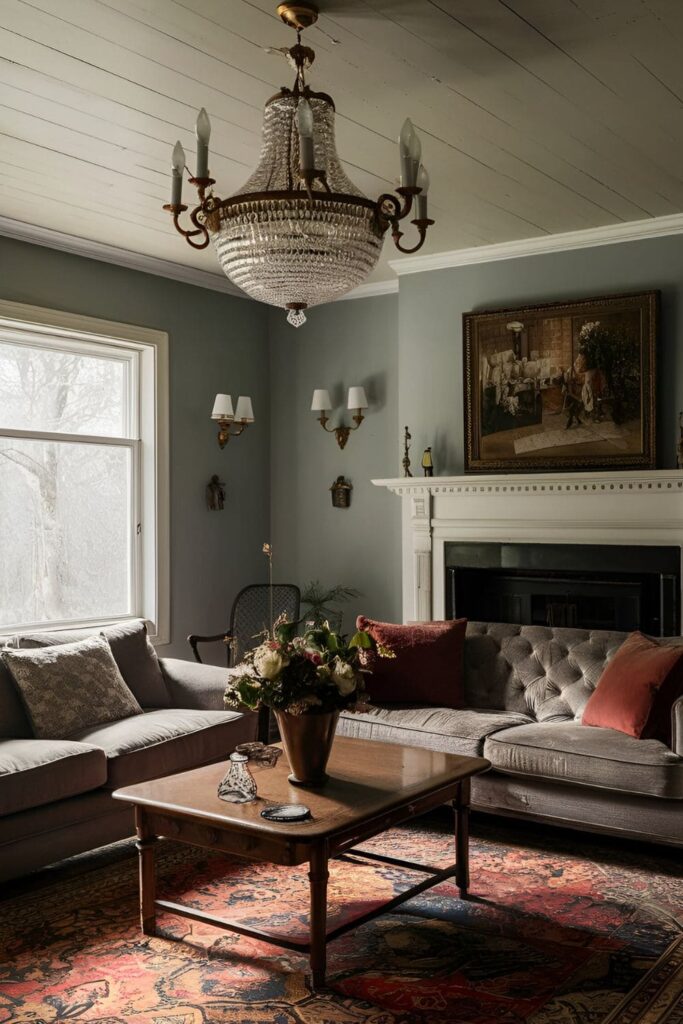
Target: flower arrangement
[[316, 672]]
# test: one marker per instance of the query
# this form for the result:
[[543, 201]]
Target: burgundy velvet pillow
[[637, 688], [428, 667]]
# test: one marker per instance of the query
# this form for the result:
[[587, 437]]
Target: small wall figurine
[[407, 437], [341, 492], [427, 462], [215, 494]]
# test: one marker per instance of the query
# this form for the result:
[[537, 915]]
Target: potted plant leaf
[[320, 604]]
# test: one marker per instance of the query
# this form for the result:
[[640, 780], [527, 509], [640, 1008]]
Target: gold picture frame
[[568, 385]]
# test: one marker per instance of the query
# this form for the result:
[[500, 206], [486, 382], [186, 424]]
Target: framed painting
[[561, 386]]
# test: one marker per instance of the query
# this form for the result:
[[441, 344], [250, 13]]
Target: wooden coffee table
[[372, 787]]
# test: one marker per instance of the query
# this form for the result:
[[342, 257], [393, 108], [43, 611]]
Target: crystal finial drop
[[296, 317]]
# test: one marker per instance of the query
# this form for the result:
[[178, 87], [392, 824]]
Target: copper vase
[[307, 740]]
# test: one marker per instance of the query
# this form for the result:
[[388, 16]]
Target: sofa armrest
[[193, 685], [677, 726]]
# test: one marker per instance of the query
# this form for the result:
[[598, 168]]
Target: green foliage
[[320, 602]]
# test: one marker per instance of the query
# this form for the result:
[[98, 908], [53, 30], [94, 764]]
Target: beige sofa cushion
[[448, 730], [70, 687], [165, 741], [589, 756], [35, 772]]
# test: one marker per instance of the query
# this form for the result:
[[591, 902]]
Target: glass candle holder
[[237, 786]]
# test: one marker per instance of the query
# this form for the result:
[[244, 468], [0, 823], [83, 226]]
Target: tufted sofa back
[[541, 671]]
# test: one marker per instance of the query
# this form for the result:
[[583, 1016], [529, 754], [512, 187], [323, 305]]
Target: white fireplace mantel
[[640, 507]]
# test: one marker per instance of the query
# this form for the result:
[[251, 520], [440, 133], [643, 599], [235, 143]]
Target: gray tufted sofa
[[526, 688]]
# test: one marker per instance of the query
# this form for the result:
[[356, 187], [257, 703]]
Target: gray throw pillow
[[138, 663], [69, 687], [133, 653]]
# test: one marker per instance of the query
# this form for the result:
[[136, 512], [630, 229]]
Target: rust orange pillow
[[427, 667], [637, 688]]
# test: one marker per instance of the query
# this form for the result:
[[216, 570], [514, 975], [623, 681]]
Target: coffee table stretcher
[[150, 827]]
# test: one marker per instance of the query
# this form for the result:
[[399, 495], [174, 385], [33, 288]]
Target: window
[[83, 472]]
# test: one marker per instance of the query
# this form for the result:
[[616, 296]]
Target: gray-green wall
[[407, 351], [340, 345], [217, 343], [430, 329]]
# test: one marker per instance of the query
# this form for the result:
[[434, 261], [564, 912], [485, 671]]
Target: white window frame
[[146, 352]]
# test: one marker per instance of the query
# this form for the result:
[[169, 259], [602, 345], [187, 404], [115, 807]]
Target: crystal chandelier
[[299, 232]]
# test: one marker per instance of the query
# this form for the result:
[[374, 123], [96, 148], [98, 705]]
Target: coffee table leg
[[461, 807], [318, 875], [146, 847]]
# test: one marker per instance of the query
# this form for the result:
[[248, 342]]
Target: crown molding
[[367, 291], [630, 231], [93, 250]]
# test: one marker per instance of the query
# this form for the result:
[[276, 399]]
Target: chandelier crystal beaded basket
[[299, 232]]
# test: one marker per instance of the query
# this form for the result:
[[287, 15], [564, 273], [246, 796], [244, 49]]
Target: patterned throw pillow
[[70, 687]]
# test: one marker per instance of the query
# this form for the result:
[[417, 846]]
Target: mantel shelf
[[538, 484]]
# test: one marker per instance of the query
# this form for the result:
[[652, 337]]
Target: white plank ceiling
[[536, 116]]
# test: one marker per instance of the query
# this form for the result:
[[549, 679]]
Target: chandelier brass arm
[[203, 207]]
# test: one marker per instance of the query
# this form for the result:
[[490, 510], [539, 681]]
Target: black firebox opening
[[585, 585]]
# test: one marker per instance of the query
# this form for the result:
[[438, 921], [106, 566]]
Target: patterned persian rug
[[558, 931]]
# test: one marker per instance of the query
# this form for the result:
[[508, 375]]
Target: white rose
[[344, 677], [269, 664]]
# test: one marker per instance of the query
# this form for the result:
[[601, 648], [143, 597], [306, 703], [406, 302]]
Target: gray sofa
[[526, 688], [55, 795]]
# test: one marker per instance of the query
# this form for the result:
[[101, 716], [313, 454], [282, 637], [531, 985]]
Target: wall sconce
[[226, 418], [357, 401]]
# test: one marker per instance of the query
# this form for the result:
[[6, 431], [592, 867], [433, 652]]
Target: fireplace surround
[[588, 522]]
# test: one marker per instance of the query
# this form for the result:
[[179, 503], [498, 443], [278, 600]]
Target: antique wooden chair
[[254, 610]]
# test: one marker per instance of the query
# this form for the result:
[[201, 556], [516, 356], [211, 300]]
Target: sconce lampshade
[[243, 410], [321, 401], [357, 399], [222, 408]]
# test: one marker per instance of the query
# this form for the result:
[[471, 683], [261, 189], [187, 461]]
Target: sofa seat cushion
[[448, 730], [588, 756], [36, 772], [164, 741]]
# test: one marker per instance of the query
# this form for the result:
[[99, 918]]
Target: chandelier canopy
[[298, 232]]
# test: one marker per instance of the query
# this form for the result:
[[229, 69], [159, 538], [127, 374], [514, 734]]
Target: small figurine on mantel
[[215, 494], [427, 462], [406, 448]]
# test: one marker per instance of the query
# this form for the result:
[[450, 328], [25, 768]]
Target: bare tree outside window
[[66, 505]]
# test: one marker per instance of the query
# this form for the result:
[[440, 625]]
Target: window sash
[[122, 353], [135, 566], [149, 426]]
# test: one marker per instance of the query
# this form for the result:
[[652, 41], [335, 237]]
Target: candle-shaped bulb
[[203, 131], [410, 150], [178, 158], [177, 168], [423, 183], [304, 122]]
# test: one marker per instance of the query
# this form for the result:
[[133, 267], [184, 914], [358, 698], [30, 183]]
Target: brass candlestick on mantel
[[407, 438], [357, 401]]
